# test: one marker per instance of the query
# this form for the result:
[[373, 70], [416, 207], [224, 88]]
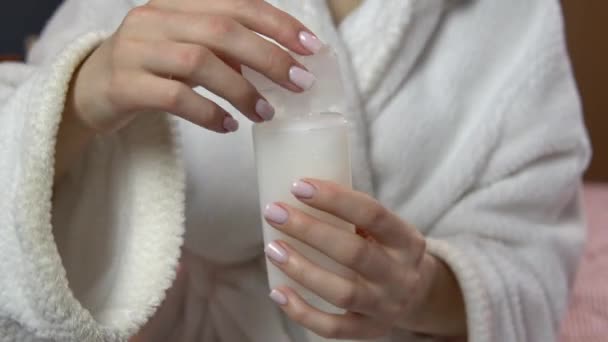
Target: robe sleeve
[[88, 259], [513, 240]]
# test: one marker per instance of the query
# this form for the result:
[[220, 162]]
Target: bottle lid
[[326, 94]]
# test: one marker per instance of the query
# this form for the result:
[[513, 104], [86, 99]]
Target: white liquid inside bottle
[[289, 149], [308, 138]]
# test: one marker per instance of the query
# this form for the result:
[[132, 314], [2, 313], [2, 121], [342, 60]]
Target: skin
[[151, 63], [340, 9], [396, 283], [164, 48]]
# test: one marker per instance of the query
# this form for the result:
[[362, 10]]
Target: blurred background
[[20, 20], [587, 29], [587, 33]]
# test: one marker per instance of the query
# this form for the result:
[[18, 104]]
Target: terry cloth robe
[[467, 124]]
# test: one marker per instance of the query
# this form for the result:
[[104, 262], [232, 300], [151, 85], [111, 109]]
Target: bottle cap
[[326, 94]]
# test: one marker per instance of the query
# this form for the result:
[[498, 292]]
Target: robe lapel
[[385, 40]]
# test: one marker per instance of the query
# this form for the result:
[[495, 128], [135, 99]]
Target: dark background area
[[587, 29], [21, 18]]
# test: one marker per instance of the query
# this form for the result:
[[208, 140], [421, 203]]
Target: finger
[[268, 20], [201, 66], [359, 209], [332, 326], [338, 244], [231, 62], [136, 92], [258, 16], [349, 294], [227, 37]]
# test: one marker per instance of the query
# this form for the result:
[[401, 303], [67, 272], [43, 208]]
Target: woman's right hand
[[165, 47]]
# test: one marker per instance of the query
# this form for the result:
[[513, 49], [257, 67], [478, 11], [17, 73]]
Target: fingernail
[[230, 124], [276, 214], [278, 297], [276, 252], [310, 42], [264, 109], [303, 189], [301, 78]]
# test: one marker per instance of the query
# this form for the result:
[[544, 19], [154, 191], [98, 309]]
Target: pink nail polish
[[264, 109], [303, 189], [278, 297], [276, 214], [276, 252], [230, 124], [310, 42], [301, 78]]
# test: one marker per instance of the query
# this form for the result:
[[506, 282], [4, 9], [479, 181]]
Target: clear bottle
[[286, 150], [307, 139]]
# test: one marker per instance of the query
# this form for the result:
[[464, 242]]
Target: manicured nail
[[230, 124], [310, 42], [276, 214], [301, 78], [264, 110], [303, 189], [278, 297], [276, 252]]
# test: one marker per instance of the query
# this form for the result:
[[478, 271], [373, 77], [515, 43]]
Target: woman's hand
[[395, 280], [166, 47]]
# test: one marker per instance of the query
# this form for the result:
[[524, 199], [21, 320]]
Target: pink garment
[[587, 318]]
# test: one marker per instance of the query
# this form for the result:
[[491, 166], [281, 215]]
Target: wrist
[[75, 133], [427, 284], [440, 308], [87, 103], [81, 109]]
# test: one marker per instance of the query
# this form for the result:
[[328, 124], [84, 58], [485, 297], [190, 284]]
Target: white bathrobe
[[468, 125]]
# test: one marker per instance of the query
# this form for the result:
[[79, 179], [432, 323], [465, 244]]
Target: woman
[[469, 145]]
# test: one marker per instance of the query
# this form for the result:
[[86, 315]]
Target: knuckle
[[374, 215], [277, 62], [138, 14], [403, 305], [393, 309], [347, 297], [245, 94], [332, 331], [359, 254], [300, 223], [306, 229], [332, 193], [216, 112], [193, 59], [173, 96], [296, 269], [411, 281], [212, 114], [285, 35], [299, 314], [242, 4], [419, 248], [220, 26]]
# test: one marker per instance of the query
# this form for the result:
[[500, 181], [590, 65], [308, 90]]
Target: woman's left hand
[[393, 274]]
